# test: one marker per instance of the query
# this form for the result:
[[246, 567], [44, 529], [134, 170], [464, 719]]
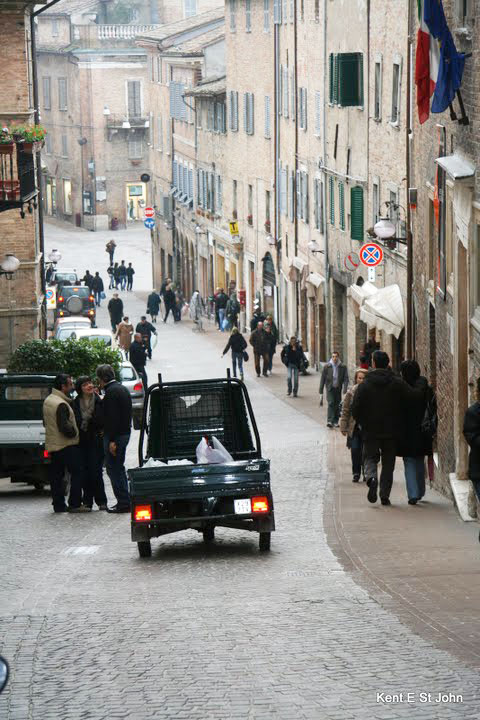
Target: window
[[393, 210], [178, 109], [318, 204], [292, 10], [135, 148], [441, 259], [266, 16], [283, 191], [233, 15], [302, 195], [220, 124], [233, 110], [54, 28], [62, 94], [248, 15], [67, 197], [286, 97], [303, 108], [291, 196], [318, 113], [47, 93], [250, 205], [346, 79], [267, 206], [134, 105], [464, 12], [356, 210], [294, 97], [317, 11], [277, 12], [190, 185], [396, 85], [48, 144], [377, 109], [375, 201], [234, 197], [284, 12], [267, 116], [302, 10], [331, 190], [341, 204], [151, 62], [160, 133], [159, 69], [219, 198], [64, 146], [248, 113], [190, 8]]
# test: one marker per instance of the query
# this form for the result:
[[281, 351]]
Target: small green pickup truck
[[169, 498]]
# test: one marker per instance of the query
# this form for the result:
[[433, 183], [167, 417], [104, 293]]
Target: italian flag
[[427, 62]]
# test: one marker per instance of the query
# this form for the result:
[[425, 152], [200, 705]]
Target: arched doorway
[[268, 285]]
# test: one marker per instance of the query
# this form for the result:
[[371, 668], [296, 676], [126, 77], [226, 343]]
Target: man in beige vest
[[61, 441]]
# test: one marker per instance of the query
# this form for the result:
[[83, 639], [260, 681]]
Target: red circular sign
[[371, 254], [351, 262], [149, 212]]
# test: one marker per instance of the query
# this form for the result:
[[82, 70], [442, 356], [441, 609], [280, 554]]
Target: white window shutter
[[299, 196], [291, 196], [267, 116], [279, 90], [292, 82], [318, 113], [245, 112], [251, 121], [277, 11]]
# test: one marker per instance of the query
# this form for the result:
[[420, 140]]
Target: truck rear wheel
[[264, 541], [144, 548], [209, 535]]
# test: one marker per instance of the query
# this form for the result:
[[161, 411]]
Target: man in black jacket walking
[[138, 357], [117, 416], [334, 378], [146, 330], [379, 407], [97, 288]]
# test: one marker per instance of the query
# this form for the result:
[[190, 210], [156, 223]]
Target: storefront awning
[[384, 310], [297, 263], [315, 279], [456, 166], [359, 293]]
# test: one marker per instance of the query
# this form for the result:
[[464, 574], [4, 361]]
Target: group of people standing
[[83, 434], [121, 276], [95, 285]]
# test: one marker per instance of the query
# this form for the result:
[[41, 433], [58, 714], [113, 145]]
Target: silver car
[[133, 382]]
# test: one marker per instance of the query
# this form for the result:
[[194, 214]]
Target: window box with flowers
[[29, 138], [250, 219]]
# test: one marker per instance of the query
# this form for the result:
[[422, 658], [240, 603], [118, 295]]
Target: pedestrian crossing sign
[[233, 228]]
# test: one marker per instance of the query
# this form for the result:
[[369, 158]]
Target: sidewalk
[[420, 562]]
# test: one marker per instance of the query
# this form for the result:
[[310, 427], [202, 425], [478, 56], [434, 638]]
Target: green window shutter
[[335, 78], [331, 185], [330, 77], [356, 209], [341, 202], [350, 79]]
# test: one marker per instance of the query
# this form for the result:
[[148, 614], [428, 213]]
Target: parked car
[[64, 275], [92, 334], [64, 325], [75, 300], [132, 381], [23, 457]]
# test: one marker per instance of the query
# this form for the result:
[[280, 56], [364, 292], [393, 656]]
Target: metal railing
[[122, 32]]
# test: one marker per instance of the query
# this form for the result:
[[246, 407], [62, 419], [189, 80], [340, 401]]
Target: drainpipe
[[410, 341], [276, 150], [325, 221], [295, 194]]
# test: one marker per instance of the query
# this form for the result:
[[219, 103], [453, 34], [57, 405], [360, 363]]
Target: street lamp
[[314, 247], [9, 266], [385, 229], [54, 256]]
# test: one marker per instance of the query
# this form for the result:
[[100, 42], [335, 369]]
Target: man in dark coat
[[261, 346], [272, 344], [379, 407], [169, 300], [116, 275], [221, 300], [130, 273], [334, 378], [146, 330], [471, 431], [292, 356], [138, 357], [97, 288], [122, 272], [257, 317], [153, 305], [232, 309], [88, 280], [115, 309]]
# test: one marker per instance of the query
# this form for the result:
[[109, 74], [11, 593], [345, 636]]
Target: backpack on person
[[429, 423]]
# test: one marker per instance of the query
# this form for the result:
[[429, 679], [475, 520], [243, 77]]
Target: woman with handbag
[[237, 344], [350, 428]]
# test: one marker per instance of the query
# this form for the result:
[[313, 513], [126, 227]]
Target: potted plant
[[31, 137], [6, 141]]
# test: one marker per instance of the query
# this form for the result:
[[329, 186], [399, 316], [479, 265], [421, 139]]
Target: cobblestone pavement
[[93, 632]]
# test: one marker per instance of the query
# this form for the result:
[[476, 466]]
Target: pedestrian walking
[[416, 439], [237, 344], [138, 357], [122, 272], [153, 305], [130, 272], [124, 335], [88, 411], [88, 280], [169, 300], [61, 442], [110, 249], [221, 300], [334, 378], [146, 330], [117, 422], [261, 345], [257, 317], [232, 309], [115, 309], [379, 406], [116, 276], [272, 345], [269, 320], [292, 356], [471, 431], [350, 428], [179, 303], [110, 273], [164, 286], [98, 288]]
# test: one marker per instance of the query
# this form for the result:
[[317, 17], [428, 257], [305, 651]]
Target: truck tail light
[[260, 505], [143, 513], [138, 387], [91, 312], [60, 299], [46, 454], [91, 298], [61, 312]]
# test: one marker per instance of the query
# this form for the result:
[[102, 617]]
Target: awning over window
[[315, 279], [359, 293], [297, 263], [456, 166], [384, 310]]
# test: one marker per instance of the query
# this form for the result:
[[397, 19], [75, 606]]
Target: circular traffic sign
[[351, 262], [149, 212], [49, 293], [371, 254]]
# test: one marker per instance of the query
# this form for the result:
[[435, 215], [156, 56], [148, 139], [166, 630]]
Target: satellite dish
[[145, 177]]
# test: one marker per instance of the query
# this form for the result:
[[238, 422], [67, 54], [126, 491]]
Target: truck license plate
[[243, 506]]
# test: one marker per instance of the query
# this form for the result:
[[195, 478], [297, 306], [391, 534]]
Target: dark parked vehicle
[[23, 457], [237, 494], [75, 300]]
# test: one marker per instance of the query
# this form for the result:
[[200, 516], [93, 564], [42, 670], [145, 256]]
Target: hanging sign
[[149, 212], [149, 223], [233, 228], [371, 254], [351, 262]]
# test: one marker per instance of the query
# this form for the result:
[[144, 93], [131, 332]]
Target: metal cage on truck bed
[[178, 414]]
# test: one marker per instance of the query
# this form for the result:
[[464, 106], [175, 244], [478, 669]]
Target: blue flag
[[452, 62]]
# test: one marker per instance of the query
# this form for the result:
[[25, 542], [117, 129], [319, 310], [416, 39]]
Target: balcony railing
[[122, 32], [17, 178], [121, 122]]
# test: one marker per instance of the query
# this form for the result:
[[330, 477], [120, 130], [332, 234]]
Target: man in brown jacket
[[61, 441], [261, 345]]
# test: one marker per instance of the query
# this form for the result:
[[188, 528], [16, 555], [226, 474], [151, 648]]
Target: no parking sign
[[51, 298], [371, 254]]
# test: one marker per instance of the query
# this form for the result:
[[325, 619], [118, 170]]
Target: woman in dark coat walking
[[237, 344], [416, 440], [88, 410], [471, 431], [153, 305]]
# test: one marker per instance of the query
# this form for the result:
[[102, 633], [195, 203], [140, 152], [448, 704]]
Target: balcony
[[17, 179], [121, 122], [122, 32]]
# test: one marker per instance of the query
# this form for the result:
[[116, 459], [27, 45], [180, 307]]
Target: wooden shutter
[[277, 11], [134, 105], [350, 79], [318, 113], [305, 207], [341, 202], [266, 15], [331, 186], [298, 193], [205, 189], [251, 116], [331, 78], [356, 210], [245, 112], [291, 196], [267, 116], [335, 79]]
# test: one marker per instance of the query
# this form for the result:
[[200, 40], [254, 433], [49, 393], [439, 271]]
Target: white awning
[[384, 310], [315, 279], [359, 293], [456, 166], [297, 263]]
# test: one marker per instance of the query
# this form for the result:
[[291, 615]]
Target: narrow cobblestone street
[[93, 632]]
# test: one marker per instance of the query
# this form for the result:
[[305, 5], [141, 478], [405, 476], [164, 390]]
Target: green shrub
[[77, 357]]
